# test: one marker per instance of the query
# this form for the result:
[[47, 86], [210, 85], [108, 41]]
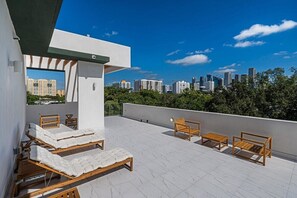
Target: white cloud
[[280, 53], [174, 52], [227, 45], [287, 57], [112, 33], [135, 68], [229, 66], [145, 73], [221, 71], [265, 30], [295, 53], [242, 44], [208, 50], [190, 60]]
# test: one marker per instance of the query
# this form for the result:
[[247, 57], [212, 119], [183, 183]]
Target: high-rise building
[[61, 92], [218, 82], [155, 85], [166, 89], [196, 86], [202, 81], [210, 86], [209, 77], [179, 86], [116, 85], [221, 82], [227, 79], [237, 78], [125, 84], [193, 82], [244, 78], [252, 76], [42, 87], [252, 72]]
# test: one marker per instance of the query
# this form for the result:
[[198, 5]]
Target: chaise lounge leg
[[101, 146], [131, 165]]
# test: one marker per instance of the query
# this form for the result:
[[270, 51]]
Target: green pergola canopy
[[34, 22]]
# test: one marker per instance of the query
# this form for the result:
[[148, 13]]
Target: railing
[[284, 133]]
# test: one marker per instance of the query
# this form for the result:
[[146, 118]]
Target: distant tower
[[202, 81], [209, 77], [244, 78], [193, 83], [237, 78], [227, 79], [221, 82], [252, 76]]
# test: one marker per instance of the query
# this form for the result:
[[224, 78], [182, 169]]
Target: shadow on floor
[[227, 150], [178, 135]]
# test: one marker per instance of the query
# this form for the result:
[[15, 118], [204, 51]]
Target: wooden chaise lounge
[[182, 125], [65, 141], [76, 170], [255, 146]]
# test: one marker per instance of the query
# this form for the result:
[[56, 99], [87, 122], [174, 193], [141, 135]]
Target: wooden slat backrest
[[179, 123]]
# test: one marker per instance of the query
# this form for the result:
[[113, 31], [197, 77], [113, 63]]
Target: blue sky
[[59, 76], [177, 40]]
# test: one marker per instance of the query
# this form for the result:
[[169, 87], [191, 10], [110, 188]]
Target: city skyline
[[59, 76], [200, 40]]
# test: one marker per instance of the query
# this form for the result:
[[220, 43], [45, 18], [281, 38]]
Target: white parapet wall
[[33, 112], [284, 133], [12, 98]]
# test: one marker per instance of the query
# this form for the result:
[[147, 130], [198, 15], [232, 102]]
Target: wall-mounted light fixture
[[17, 65], [94, 86], [171, 119]]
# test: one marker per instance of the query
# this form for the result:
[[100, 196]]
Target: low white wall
[[33, 112], [12, 99], [284, 133]]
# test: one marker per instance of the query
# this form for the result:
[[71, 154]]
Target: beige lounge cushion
[[66, 143], [54, 161], [79, 165], [64, 134]]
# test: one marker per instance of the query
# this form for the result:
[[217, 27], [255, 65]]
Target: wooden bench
[[255, 146], [221, 139], [49, 121]]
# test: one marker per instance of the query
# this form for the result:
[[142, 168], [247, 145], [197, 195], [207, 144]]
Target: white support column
[[90, 95]]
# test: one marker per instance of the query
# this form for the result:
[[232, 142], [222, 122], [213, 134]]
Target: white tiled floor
[[166, 166]]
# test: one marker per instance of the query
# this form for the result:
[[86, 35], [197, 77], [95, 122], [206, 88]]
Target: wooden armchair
[[261, 148], [182, 125]]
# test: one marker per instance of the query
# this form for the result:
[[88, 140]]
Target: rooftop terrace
[[167, 166]]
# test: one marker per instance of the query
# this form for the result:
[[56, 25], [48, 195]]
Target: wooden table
[[71, 122], [221, 139]]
